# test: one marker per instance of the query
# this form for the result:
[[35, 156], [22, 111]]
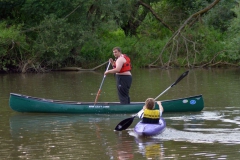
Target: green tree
[[233, 38], [57, 33], [12, 46]]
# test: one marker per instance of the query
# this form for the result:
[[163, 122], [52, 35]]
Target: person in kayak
[[122, 69], [149, 114]]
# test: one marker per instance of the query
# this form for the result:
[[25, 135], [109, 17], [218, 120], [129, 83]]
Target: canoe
[[23, 103], [145, 129]]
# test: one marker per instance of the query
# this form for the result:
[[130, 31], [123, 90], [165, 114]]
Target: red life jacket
[[126, 66]]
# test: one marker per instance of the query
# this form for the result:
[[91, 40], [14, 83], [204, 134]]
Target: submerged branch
[[81, 69]]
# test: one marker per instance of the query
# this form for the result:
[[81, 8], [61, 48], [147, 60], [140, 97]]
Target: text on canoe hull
[[98, 106]]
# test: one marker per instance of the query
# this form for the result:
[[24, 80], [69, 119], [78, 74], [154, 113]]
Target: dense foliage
[[36, 36]]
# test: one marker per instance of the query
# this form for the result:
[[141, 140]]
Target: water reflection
[[150, 148], [124, 148], [45, 136], [205, 127], [35, 123], [203, 135]]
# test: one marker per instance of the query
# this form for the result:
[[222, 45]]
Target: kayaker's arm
[[160, 107]]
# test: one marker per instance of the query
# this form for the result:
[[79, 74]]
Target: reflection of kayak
[[23, 103], [144, 129], [150, 147]]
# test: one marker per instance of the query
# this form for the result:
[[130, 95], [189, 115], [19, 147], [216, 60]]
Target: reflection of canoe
[[22, 124], [144, 129], [22, 103]]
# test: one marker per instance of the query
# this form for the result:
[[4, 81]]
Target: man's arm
[[119, 63]]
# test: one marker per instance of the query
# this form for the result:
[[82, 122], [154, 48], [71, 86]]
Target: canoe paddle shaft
[[124, 124], [101, 85]]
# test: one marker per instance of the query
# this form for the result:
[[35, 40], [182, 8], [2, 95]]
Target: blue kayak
[[146, 129]]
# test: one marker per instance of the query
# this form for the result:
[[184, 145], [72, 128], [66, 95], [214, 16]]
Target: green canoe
[[23, 103]]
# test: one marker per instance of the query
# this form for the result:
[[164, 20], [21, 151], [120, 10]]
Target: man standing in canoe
[[122, 68]]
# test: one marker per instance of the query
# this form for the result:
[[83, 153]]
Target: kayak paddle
[[101, 85], [124, 124]]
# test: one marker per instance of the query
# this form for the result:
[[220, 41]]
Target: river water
[[213, 133]]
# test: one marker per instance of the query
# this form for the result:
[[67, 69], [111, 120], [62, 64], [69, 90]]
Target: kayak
[[145, 129], [24, 103]]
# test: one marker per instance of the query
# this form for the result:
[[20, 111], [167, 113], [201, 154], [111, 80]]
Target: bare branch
[[192, 17], [155, 15], [72, 11]]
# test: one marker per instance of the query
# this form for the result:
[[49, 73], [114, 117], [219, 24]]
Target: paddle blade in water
[[97, 96], [124, 124]]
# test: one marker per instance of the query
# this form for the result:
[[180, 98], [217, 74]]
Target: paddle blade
[[101, 85], [180, 78], [124, 124], [97, 96]]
